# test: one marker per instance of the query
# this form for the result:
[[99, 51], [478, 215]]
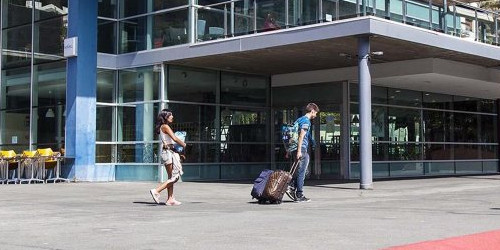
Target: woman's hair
[[162, 119]]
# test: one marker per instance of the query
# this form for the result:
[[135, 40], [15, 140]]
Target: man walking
[[296, 191]]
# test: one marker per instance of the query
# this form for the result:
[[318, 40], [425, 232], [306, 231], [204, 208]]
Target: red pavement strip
[[481, 241]]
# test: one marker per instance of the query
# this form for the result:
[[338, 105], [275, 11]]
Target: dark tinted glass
[[466, 127], [197, 120], [192, 85], [106, 36], [50, 8], [107, 8], [405, 97], [437, 126], [465, 103], [51, 34], [243, 89], [437, 101], [16, 12]]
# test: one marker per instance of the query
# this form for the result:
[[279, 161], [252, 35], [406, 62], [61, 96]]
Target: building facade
[[406, 88]]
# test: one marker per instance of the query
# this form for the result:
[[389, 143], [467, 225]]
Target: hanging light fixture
[[50, 113]]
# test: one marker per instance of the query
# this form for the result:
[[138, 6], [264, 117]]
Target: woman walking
[[169, 157]]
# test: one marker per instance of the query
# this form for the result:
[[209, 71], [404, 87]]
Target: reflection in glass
[[466, 127], [104, 123], [489, 128], [437, 126], [49, 95], [135, 7], [192, 85], [465, 103], [437, 101], [489, 152], [104, 153], [15, 127], [105, 85], [405, 151], [466, 151], [405, 97], [136, 122], [107, 8], [51, 34], [138, 84], [45, 9], [16, 12], [16, 88], [154, 31], [404, 125], [169, 29], [197, 120], [238, 125], [106, 36], [438, 152], [242, 89], [137, 153], [201, 152], [16, 47]]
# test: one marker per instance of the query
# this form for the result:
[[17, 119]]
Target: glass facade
[[419, 133], [223, 131], [33, 87], [128, 25], [233, 120]]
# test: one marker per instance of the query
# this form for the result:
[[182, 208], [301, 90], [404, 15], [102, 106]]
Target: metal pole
[[232, 18], [357, 7], [192, 22], [365, 104], [225, 20], [445, 11], [430, 14], [455, 20], [496, 28], [374, 8], [287, 22], [255, 16], [476, 26], [403, 6], [320, 11]]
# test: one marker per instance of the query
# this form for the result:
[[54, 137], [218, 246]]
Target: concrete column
[[81, 90], [365, 113]]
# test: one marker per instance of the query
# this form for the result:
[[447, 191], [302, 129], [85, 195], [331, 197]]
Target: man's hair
[[312, 106]]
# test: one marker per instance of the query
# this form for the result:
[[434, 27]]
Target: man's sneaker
[[155, 195], [291, 193], [303, 199]]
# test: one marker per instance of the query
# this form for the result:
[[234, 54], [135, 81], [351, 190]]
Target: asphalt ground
[[122, 215]]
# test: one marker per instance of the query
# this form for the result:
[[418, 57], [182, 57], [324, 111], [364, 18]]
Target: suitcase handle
[[294, 166]]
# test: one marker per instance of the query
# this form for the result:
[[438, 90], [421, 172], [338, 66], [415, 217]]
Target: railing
[[240, 17]]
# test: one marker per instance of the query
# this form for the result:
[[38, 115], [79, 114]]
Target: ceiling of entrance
[[325, 54]]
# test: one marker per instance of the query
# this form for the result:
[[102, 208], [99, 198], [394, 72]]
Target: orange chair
[[30, 162], [9, 162], [51, 160]]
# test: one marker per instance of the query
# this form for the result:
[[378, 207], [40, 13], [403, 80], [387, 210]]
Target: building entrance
[[289, 103]]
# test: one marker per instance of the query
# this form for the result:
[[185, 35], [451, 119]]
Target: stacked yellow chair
[[51, 160], [31, 163], [9, 161]]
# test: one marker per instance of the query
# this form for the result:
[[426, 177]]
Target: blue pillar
[[81, 90], [365, 112]]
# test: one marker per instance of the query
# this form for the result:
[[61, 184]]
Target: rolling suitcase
[[259, 185], [278, 184]]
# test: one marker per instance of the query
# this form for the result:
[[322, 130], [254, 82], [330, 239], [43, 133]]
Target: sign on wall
[[71, 47]]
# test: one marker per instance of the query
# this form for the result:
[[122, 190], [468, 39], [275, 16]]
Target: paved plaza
[[121, 215]]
